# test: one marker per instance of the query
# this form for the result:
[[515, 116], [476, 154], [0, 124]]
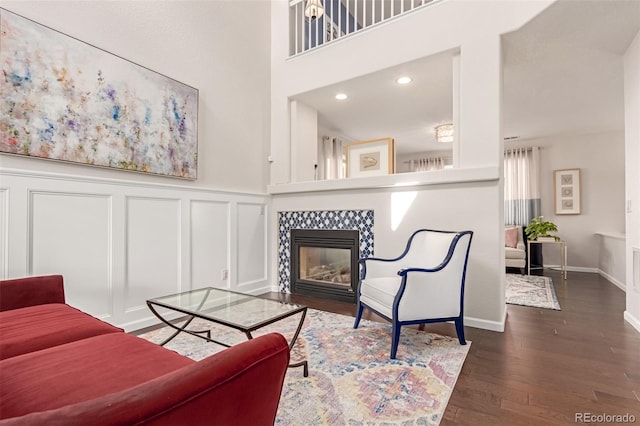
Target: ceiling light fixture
[[314, 9], [404, 80], [444, 133], [341, 96]]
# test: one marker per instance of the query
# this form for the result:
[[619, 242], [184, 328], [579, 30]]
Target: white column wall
[[304, 137], [118, 243], [632, 173]]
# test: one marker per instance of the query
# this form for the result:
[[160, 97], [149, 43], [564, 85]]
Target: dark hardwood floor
[[547, 365]]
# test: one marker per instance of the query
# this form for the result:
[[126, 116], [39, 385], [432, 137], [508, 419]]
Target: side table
[[563, 255]]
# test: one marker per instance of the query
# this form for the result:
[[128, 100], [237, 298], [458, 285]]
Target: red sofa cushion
[[81, 371], [22, 292], [38, 327]]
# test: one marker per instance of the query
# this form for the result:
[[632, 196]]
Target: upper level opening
[[314, 23]]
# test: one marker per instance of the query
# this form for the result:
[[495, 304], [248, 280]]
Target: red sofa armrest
[[30, 291], [238, 386]]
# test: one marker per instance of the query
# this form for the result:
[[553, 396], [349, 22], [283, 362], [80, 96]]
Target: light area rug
[[351, 379], [531, 290]]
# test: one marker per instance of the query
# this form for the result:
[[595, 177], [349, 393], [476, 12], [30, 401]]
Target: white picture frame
[[567, 191]]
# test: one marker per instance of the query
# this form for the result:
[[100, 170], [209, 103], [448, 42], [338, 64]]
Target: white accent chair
[[424, 284]]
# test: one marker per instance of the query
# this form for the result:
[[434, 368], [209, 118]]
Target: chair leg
[[460, 331], [359, 310], [395, 338]]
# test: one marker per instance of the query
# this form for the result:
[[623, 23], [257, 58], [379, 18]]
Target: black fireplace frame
[[339, 238]]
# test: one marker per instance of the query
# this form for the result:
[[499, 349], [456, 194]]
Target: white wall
[[120, 237], [118, 243], [474, 29], [218, 47], [632, 194], [601, 159]]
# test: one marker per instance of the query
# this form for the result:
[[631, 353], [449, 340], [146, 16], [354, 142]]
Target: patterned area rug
[[531, 290], [351, 379]]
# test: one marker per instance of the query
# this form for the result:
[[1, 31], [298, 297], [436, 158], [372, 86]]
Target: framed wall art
[[371, 158], [567, 191], [63, 99]]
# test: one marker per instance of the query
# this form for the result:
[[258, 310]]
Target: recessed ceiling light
[[404, 80], [341, 96]]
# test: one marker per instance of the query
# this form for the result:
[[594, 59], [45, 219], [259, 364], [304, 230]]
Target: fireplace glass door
[[327, 265]]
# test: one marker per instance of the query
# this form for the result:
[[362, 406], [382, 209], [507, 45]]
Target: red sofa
[[60, 366]]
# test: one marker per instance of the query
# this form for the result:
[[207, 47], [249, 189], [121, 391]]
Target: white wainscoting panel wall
[[209, 225], [252, 245], [4, 249], [72, 232], [153, 250], [118, 243]]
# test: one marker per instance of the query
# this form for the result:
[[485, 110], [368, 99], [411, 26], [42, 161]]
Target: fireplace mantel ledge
[[438, 177]]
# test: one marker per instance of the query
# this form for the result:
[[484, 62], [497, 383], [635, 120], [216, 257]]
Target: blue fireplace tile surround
[[359, 220]]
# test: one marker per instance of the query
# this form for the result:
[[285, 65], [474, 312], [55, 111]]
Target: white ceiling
[[562, 75]]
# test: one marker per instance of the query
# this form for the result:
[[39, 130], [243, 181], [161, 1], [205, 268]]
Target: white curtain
[[427, 164], [521, 185], [330, 158]]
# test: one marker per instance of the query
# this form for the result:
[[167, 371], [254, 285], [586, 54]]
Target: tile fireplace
[[355, 220]]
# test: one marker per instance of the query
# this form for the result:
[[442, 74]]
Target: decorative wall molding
[[144, 240], [360, 220], [123, 182]]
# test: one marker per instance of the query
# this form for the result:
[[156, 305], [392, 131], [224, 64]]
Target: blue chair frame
[[396, 325]]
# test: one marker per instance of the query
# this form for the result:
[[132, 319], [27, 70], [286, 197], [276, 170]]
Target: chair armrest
[[30, 291], [378, 267], [238, 386], [405, 271]]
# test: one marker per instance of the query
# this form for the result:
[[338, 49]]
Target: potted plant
[[540, 229]]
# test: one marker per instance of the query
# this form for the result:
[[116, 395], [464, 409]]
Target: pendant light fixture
[[314, 9]]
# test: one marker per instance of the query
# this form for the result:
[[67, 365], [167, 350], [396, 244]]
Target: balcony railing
[[341, 18]]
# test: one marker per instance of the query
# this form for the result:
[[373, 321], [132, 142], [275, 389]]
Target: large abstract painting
[[63, 99]]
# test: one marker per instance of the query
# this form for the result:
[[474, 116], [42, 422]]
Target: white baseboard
[[486, 324], [635, 322], [613, 281]]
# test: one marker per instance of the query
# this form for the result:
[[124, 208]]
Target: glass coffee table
[[229, 308]]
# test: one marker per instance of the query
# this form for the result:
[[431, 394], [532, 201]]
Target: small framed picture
[[567, 191], [371, 158]]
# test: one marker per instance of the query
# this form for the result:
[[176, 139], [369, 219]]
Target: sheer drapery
[[427, 164], [330, 159], [521, 185]]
